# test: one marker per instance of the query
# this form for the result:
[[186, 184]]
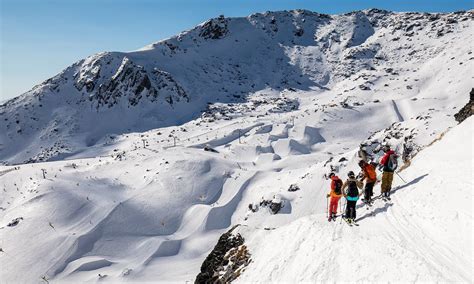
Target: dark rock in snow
[[293, 187], [466, 111], [209, 149], [14, 222], [275, 206], [226, 260]]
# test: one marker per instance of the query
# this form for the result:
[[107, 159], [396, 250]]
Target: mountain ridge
[[304, 50]]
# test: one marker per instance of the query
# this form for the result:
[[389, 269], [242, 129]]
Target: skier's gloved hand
[[327, 195]]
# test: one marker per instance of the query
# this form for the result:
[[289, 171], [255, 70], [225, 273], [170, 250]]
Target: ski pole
[[327, 207], [339, 205], [400, 177], [345, 206]]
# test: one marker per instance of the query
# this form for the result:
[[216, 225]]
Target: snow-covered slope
[[424, 235], [371, 54], [281, 98]]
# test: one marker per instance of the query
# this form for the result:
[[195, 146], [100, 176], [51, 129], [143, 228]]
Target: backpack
[[392, 163], [338, 187], [352, 189], [370, 169]]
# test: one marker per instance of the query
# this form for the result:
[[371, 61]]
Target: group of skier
[[350, 188]]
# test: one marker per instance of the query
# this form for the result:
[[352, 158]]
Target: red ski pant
[[333, 204]]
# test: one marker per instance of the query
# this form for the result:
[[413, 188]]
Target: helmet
[[331, 175], [386, 148], [351, 174], [362, 163]]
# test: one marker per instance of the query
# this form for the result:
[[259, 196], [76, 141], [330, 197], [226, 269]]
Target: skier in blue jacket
[[352, 195]]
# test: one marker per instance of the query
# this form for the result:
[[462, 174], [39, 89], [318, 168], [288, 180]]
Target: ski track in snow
[[395, 107]]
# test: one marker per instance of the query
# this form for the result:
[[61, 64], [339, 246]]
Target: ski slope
[[423, 235], [122, 192]]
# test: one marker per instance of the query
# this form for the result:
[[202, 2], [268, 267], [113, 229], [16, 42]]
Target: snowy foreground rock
[[130, 167]]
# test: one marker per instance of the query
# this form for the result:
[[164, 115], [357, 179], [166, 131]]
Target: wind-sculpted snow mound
[[143, 210]]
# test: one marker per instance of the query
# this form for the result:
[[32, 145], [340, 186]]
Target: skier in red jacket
[[370, 177], [388, 164], [335, 194]]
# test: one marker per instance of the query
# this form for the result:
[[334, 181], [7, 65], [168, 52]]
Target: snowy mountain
[[227, 60], [133, 166]]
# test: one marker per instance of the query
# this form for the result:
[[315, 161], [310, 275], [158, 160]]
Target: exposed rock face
[[214, 28], [226, 261], [467, 110], [130, 80]]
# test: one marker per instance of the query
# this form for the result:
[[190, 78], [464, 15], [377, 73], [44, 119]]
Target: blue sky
[[39, 38]]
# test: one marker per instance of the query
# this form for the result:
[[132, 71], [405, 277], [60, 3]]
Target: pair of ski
[[350, 222], [369, 204], [333, 218], [384, 198]]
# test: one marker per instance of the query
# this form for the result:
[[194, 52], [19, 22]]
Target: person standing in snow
[[407, 150], [363, 153], [388, 164], [352, 195], [370, 177], [335, 194]]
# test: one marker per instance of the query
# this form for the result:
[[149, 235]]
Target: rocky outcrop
[[293, 187], [214, 28], [466, 111], [130, 81], [226, 261]]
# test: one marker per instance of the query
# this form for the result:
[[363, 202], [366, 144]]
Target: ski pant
[[387, 178], [333, 204], [351, 209], [369, 191]]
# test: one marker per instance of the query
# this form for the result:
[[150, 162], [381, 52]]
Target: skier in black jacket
[[352, 195]]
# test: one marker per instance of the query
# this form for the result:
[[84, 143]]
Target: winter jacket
[[384, 160], [333, 187], [369, 173], [353, 185]]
